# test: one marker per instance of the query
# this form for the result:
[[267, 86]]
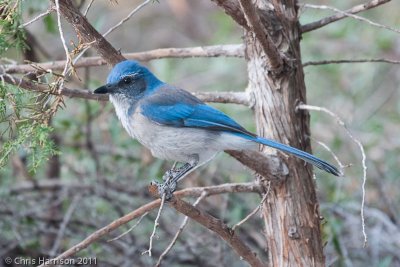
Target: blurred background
[[99, 173]]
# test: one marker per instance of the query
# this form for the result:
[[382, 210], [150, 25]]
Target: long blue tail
[[298, 153]]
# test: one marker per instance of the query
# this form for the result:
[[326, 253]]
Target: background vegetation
[[95, 173]]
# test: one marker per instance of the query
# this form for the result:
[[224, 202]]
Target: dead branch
[[193, 192], [370, 22], [218, 227], [274, 58], [232, 50], [344, 61], [232, 8], [354, 10], [240, 98], [363, 155], [88, 34]]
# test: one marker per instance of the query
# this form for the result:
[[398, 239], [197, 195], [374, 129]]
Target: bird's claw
[[167, 188], [170, 174]]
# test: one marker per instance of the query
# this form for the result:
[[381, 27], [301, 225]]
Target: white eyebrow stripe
[[130, 75]]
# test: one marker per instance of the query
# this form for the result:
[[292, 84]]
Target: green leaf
[[50, 24]]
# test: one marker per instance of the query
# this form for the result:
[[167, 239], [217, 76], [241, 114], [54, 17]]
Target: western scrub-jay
[[175, 125]]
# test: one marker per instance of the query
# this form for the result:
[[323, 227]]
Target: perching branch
[[241, 98], [354, 10], [233, 50], [218, 227], [193, 192], [274, 58]]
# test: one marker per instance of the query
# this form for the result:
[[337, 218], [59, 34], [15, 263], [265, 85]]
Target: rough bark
[[88, 34], [291, 214]]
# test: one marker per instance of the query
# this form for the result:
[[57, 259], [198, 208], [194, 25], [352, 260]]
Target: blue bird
[[175, 125]]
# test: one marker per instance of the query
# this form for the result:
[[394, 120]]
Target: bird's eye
[[127, 80]]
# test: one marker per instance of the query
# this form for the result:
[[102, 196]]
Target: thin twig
[[327, 148], [258, 208], [133, 12], [363, 160], [194, 192], [130, 229], [64, 224], [344, 61], [218, 227], [68, 57], [351, 15], [229, 50], [240, 98], [51, 9], [156, 224], [180, 230], [87, 8], [356, 9]]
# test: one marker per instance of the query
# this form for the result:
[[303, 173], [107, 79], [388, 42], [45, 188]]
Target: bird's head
[[129, 80]]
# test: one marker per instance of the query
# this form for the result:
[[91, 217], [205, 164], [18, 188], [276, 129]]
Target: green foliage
[[21, 129], [50, 23], [11, 35]]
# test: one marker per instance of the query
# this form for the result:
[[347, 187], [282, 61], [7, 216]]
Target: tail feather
[[299, 153]]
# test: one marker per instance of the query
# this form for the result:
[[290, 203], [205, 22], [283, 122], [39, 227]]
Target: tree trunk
[[291, 211]]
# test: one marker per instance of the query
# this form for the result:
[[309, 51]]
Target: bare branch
[[232, 50], [240, 98], [232, 8], [64, 224], [258, 208], [134, 11], [68, 57], [194, 192], [156, 224], [344, 61], [88, 34], [218, 227], [41, 15], [130, 229], [270, 167], [354, 17], [180, 230], [88, 7], [363, 161], [275, 62], [343, 14]]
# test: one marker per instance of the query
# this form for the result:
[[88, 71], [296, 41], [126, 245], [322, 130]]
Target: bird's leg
[[170, 172], [172, 177]]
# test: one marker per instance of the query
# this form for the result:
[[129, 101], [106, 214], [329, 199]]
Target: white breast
[[177, 144]]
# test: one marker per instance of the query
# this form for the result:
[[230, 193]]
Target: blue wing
[[176, 107]]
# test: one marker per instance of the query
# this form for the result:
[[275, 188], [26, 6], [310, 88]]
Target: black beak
[[105, 89]]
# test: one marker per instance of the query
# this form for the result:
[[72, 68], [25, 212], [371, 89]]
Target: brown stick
[[232, 8], [233, 50], [240, 98], [88, 34], [219, 228], [268, 46], [354, 10], [196, 192]]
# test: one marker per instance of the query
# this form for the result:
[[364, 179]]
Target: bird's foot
[[170, 174], [167, 188]]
